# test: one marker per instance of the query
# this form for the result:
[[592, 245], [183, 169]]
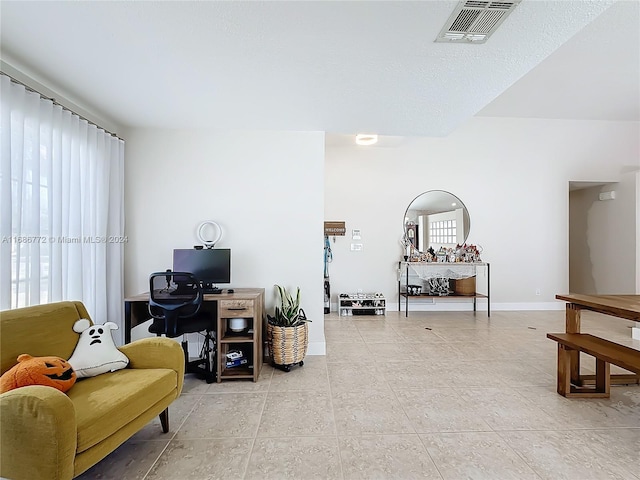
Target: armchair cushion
[[106, 403]]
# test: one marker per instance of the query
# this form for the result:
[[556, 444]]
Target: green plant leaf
[[287, 314]]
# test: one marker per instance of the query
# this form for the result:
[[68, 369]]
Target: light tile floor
[[433, 396]]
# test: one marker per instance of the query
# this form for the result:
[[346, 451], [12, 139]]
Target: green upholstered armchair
[[49, 435]]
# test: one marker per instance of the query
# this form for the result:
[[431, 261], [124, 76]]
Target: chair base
[[205, 365]]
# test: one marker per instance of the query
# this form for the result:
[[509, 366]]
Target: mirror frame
[[410, 229]]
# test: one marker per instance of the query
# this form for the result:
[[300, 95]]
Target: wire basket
[[287, 345]]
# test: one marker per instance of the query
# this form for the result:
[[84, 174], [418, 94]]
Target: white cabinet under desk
[[442, 280]]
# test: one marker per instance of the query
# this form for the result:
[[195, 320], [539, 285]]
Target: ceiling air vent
[[473, 21]]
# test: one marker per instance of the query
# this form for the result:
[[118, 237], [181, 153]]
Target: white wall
[[612, 238], [635, 331], [512, 174], [264, 188], [581, 279], [601, 238]]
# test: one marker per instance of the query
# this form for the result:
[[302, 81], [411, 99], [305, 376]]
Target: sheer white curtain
[[62, 207]]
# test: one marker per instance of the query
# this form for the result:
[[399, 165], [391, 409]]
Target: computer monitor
[[211, 266]]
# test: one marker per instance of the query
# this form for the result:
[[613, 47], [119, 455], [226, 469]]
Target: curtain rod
[[55, 102]]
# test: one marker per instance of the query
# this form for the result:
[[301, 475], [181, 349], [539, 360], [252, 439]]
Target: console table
[[427, 270], [243, 303]]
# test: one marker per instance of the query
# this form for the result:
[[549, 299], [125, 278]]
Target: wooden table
[[243, 303], [621, 306]]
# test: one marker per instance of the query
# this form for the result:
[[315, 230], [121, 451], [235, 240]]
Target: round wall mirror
[[436, 219]]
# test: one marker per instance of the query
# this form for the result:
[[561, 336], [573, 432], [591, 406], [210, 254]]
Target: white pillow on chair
[[96, 353]]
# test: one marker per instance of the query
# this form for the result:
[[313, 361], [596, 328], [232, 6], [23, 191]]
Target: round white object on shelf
[[204, 228], [237, 324]]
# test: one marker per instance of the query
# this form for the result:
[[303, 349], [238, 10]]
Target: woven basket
[[287, 345], [465, 286]]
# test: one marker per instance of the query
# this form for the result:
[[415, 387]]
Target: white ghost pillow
[[95, 352]]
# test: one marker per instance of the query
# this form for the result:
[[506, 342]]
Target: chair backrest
[[172, 296]]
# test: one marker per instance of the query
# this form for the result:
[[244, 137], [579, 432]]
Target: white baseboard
[[317, 348], [528, 306], [635, 332], [467, 306]]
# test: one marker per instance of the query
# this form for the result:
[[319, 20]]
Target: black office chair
[[174, 303]]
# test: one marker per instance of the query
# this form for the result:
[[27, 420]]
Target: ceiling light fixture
[[366, 139]]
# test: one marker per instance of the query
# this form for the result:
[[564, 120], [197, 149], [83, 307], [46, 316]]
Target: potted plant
[[287, 331]]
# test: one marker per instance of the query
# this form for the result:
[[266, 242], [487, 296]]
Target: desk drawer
[[235, 308]]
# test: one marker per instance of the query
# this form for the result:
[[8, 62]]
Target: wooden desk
[[621, 306], [243, 303]]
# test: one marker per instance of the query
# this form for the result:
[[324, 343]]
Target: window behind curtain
[[62, 226]]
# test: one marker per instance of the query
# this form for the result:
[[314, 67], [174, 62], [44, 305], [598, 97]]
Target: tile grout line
[[255, 435], [172, 437], [335, 423]]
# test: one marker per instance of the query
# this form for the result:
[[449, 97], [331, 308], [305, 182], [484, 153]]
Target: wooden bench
[[605, 352]]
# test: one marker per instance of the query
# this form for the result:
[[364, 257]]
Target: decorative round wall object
[[434, 219], [209, 233]]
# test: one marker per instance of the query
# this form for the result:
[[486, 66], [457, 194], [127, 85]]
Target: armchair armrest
[[38, 434], [156, 352]]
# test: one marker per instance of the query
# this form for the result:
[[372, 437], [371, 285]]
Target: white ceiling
[[335, 66]]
